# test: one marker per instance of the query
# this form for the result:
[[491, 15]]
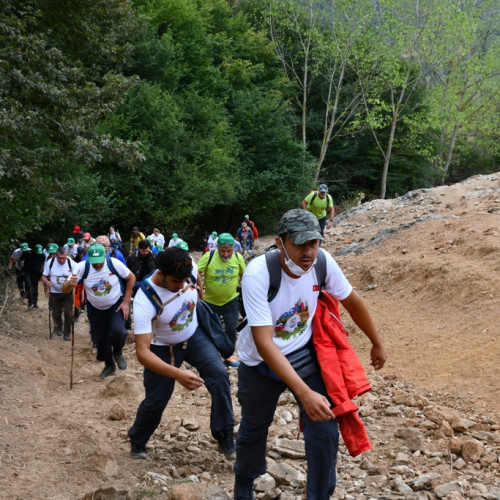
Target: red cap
[[86, 236], [76, 228]]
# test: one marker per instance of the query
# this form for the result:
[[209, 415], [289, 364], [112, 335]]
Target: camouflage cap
[[300, 226]]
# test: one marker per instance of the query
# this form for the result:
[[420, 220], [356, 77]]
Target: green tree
[[53, 91]]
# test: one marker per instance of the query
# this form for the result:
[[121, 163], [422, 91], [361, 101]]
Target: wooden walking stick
[[72, 337]]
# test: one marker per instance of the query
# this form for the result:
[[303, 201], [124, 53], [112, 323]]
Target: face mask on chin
[[295, 269]]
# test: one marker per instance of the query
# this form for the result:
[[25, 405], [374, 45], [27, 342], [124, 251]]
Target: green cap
[[71, 241], [25, 247], [214, 234], [247, 217], [225, 240], [174, 236], [159, 246], [150, 239], [300, 226], [183, 245], [52, 248], [38, 248], [97, 254]]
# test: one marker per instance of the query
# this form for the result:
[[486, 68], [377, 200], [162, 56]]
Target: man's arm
[[359, 313], [125, 303], [315, 405], [331, 215], [186, 378], [304, 204]]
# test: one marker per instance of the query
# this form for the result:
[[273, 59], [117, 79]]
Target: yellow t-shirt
[[221, 277]]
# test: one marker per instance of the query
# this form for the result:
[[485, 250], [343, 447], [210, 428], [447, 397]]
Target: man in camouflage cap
[[280, 330]]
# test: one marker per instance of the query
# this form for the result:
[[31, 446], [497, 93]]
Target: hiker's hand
[[73, 280], [189, 380], [317, 406], [124, 307], [378, 356]]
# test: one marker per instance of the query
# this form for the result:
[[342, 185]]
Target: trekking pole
[[72, 338], [50, 319]]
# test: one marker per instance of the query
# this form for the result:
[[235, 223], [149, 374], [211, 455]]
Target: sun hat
[[38, 248], [71, 241], [96, 254], [225, 240], [300, 226], [175, 236], [214, 234], [183, 245]]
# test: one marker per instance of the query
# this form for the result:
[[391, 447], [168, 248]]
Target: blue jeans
[[230, 313], [258, 396], [107, 329], [322, 225], [203, 355]]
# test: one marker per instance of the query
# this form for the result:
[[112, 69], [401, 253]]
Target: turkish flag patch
[[315, 288]]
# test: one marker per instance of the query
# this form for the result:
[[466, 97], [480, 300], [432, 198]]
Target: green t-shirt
[[319, 205], [221, 277]]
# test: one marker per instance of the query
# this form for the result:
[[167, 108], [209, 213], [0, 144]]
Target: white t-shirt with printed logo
[[290, 312], [177, 322], [59, 273], [102, 287]]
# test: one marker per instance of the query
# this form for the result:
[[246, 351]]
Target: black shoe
[[108, 370], [120, 361], [67, 336], [34, 306], [243, 489], [56, 333], [226, 443], [139, 451]]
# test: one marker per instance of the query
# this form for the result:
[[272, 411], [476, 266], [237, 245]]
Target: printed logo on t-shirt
[[224, 276], [183, 317], [103, 287], [60, 280], [293, 322]]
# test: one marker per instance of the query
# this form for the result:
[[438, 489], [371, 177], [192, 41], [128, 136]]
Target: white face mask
[[295, 269]]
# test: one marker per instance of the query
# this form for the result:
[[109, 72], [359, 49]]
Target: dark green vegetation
[[187, 114]]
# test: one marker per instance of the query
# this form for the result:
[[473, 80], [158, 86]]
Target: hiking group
[[290, 334]]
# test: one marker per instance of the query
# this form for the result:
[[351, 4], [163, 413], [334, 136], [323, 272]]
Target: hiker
[[164, 342], [245, 236], [143, 262], [55, 273], [135, 237], [72, 248], [174, 240], [108, 302], [282, 329], [115, 238], [77, 234], [157, 238], [212, 241], [252, 226], [16, 261], [223, 269], [319, 203], [50, 251], [33, 261], [87, 241]]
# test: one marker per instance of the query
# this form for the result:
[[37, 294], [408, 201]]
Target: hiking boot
[[243, 489], [231, 362], [67, 336], [120, 361], [226, 443], [139, 451], [108, 370], [56, 333]]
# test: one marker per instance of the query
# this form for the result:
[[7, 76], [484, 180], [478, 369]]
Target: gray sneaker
[[120, 361], [139, 451]]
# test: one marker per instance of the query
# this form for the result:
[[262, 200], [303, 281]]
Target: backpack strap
[[112, 268], [314, 196], [86, 270], [52, 259], [146, 286], [210, 258], [274, 270]]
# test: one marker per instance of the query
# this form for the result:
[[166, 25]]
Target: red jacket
[[342, 372]]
